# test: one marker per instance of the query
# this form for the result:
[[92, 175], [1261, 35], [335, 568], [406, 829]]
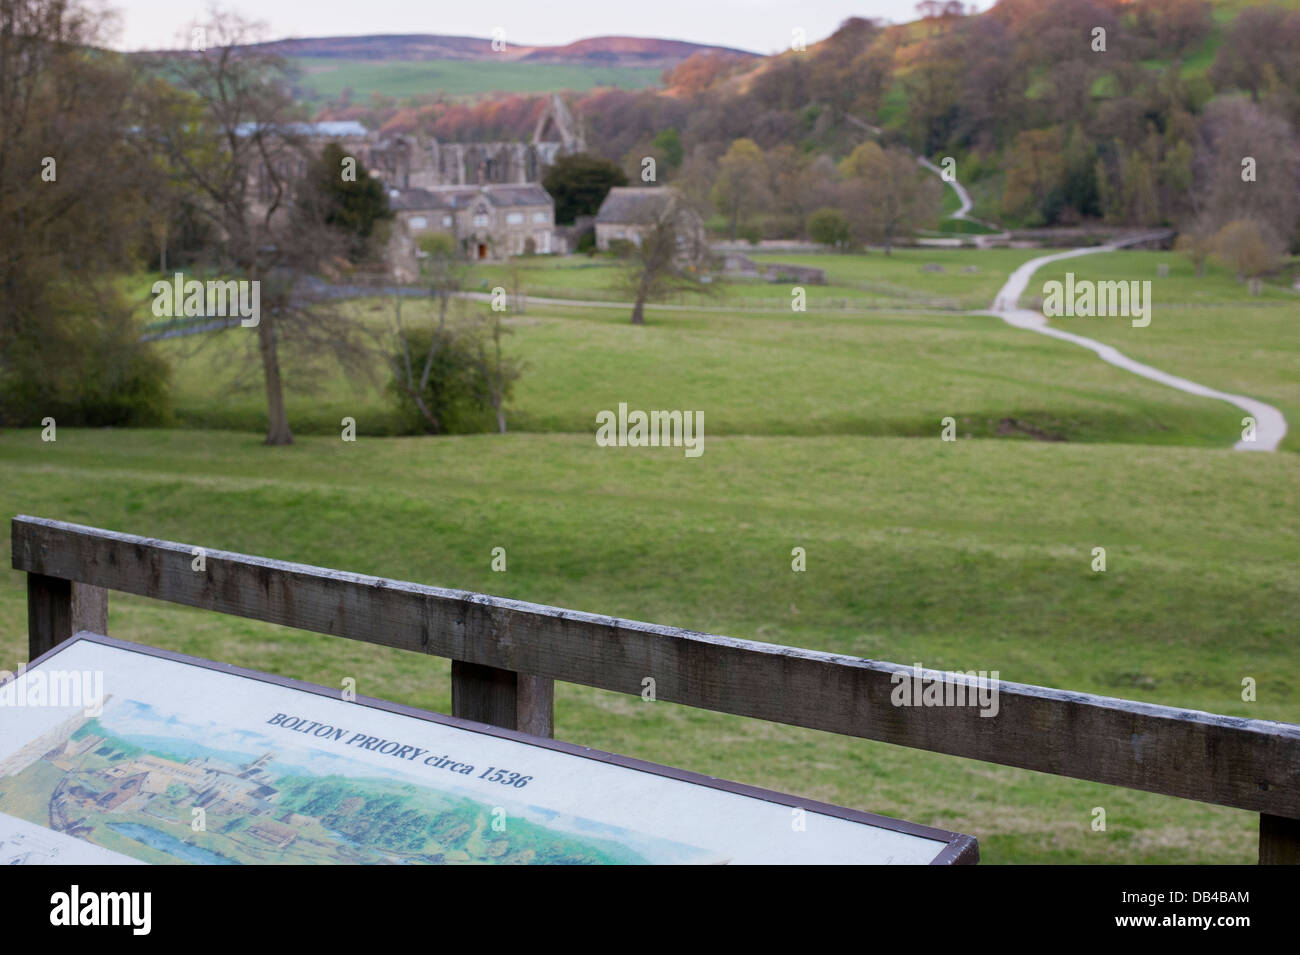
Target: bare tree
[[1258, 50], [669, 254], [496, 373], [515, 279], [227, 126], [1246, 166]]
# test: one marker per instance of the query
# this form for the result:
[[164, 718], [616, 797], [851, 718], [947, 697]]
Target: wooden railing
[[506, 654]]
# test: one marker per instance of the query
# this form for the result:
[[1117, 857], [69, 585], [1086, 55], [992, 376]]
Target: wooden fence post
[[89, 608], [515, 701], [58, 608], [1279, 840]]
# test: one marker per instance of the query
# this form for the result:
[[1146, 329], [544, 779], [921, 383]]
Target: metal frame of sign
[[959, 849]]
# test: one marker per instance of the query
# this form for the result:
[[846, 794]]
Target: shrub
[[83, 371], [828, 226], [465, 378]]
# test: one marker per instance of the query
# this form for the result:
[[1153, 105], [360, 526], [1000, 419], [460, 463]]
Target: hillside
[[411, 65], [645, 52]]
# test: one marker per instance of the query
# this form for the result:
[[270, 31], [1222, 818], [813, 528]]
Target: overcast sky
[[762, 26]]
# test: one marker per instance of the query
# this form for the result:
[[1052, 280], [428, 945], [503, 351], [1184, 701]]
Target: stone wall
[[409, 162]]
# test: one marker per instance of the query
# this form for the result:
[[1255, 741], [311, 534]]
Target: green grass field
[[972, 555], [1206, 329], [821, 431], [325, 79], [871, 278], [757, 371]]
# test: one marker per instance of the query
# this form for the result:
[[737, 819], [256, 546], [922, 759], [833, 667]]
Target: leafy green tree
[[579, 183], [668, 144], [464, 382], [741, 186], [1249, 249], [889, 194], [829, 227], [1079, 190], [1035, 169], [1197, 244], [353, 201], [71, 211]]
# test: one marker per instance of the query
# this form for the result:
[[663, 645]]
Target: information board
[[112, 752]]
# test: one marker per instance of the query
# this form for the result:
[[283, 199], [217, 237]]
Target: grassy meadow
[[893, 369], [972, 555], [325, 79], [822, 431], [1206, 328]]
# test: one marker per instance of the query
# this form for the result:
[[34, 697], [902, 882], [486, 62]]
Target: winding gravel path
[[1270, 425], [981, 241]]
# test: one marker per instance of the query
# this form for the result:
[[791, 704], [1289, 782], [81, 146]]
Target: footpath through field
[[1270, 425]]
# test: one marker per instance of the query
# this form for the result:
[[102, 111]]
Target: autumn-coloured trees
[[888, 194], [1246, 246], [741, 187]]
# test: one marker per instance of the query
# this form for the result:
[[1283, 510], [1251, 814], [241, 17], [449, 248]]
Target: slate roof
[[451, 198], [626, 204], [530, 194], [405, 200]]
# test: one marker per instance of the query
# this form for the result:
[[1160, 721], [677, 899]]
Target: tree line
[[1056, 112]]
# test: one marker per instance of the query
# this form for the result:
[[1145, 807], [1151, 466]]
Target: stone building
[[417, 162], [629, 210], [485, 195], [487, 222]]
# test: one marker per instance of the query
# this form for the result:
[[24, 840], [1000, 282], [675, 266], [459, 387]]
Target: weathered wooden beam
[[1279, 840], [1231, 761], [89, 608], [535, 705], [504, 698], [57, 608], [49, 613]]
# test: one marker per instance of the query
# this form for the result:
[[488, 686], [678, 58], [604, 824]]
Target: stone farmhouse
[[628, 211], [484, 195], [487, 222]]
